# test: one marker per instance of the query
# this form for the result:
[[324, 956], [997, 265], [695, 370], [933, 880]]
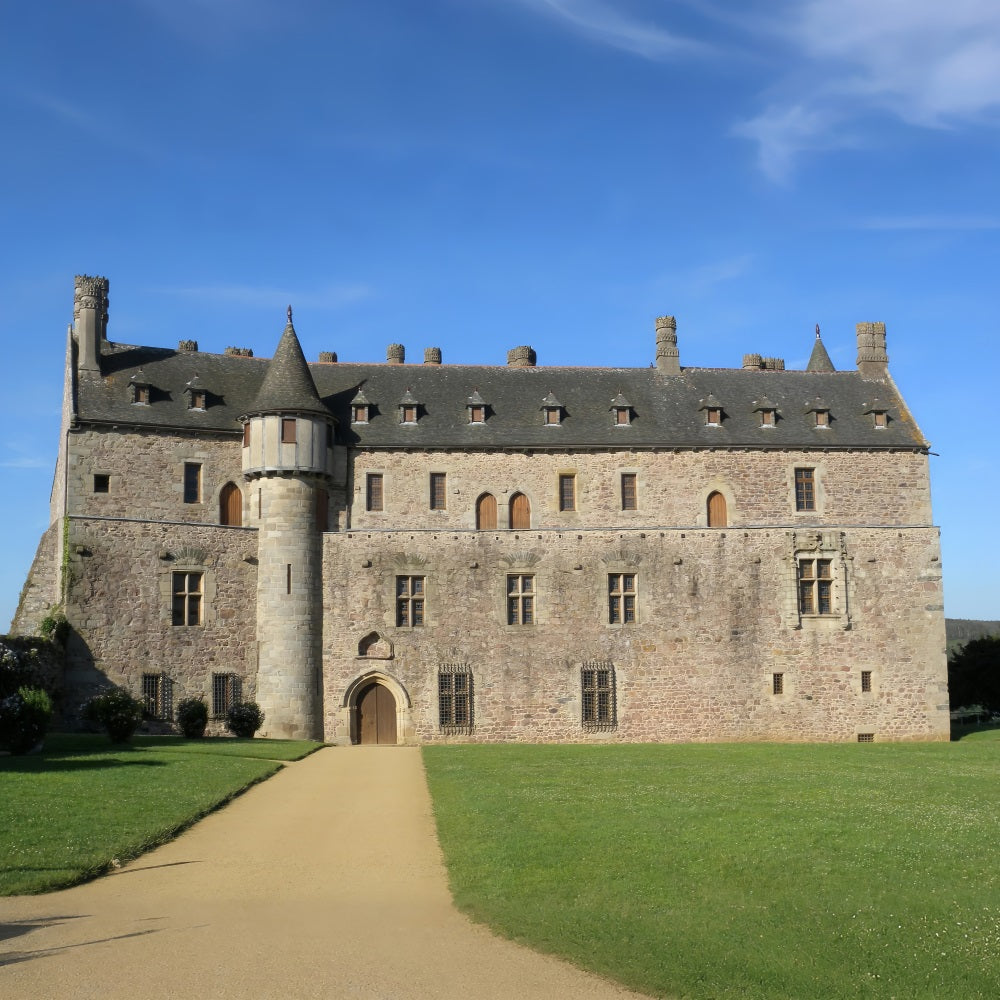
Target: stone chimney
[[327, 357], [873, 362], [432, 355], [395, 354], [667, 356], [90, 320], [521, 357]]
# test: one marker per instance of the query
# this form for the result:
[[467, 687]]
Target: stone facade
[[663, 563]]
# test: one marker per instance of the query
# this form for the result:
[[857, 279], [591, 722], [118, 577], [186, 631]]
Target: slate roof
[[288, 384], [665, 408]]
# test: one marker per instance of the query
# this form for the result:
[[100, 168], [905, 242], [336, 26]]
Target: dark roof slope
[[665, 408]]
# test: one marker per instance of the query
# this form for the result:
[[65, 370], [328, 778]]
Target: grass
[[724, 871], [71, 812]]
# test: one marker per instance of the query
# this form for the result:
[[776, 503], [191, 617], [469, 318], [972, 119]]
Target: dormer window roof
[[821, 411], [767, 410], [621, 408], [879, 411], [195, 394], [140, 391], [476, 406], [360, 408], [408, 408], [712, 409], [552, 411]]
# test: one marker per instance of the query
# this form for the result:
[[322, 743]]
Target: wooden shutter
[[231, 505], [716, 510], [486, 512], [520, 512]]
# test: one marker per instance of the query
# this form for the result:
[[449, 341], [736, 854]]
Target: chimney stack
[[432, 355], [395, 354], [90, 320], [521, 357], [873, 362], [667, 356]]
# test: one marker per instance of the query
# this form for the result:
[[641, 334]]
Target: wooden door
[[231, 505], [716, 510], [486, 512], [376, 716], [520, 512]]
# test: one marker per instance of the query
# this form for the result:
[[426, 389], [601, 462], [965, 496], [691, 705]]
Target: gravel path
[[326, 881]]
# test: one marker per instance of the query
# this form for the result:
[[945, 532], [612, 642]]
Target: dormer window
[[476, 407], [197, 400], [713, 411], [820, 412], [621, 410], [360, 408], [879, 413], [552, 411], [139, 392], [767, 410], [408, 407]]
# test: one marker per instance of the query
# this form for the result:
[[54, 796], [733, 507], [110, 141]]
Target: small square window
[[477, 414], [767, 418], [623, 416], [141, 395], [288, 427], [359, 413], [197, 399], [713, 416], [553, 415], [567, 491], [102, 482], [630, 499], [373, 491], [866, 737], [880, 418], [777, 683], [192, 482], [822, 418], [408, 414]]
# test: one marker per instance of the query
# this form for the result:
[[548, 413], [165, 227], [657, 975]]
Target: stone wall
[[717, 617], [118, 604], [672, 487]]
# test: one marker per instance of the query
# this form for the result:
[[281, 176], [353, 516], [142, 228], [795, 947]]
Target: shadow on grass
[[987, 731], [24, 765]]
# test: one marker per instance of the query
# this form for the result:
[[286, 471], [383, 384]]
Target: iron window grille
[[158, 696], [226, 692], [455, 699], [598, 708]]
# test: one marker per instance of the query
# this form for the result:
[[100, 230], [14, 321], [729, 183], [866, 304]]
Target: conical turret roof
[[288, 384], [819, 360]]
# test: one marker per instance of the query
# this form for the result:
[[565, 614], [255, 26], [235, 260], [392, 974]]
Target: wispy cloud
[[25, 462], [702, 280], [209, 23], [333, 296], [931, 223], [925, 62], [615, 26]]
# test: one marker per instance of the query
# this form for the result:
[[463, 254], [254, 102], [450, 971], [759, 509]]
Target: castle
[[412, 553]]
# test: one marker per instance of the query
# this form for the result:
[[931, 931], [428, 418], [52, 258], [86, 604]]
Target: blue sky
[[477, 174]]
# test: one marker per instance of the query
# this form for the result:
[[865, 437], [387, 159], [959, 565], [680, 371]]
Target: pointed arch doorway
[[376, 717]]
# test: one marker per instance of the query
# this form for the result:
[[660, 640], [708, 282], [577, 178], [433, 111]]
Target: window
[[197, 400], [880, 418], [230, 505], [553, 415], [477, 414], [486, 513], [767, 418], [866, 737], [816, 586], [373, 491], [359, 413], [409, 601], [408, 413], [102, 483], [192, 482], [455, 698], [866, 680], [157, 696], [805, 489], [623, 416], [438, 491], [246, 434], [188, 589], [226, 692], [140, 394], [520, 600], [621, 598], [822, 418], [597, 683], [519, 512], [567, 491], [713, 416], [718, 516], [629, 493], [777, 683], [288, 430]]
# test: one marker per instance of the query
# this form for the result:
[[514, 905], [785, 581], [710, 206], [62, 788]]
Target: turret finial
[[817, 331], [289, 315]]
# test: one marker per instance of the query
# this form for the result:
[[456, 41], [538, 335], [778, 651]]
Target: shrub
[[54, 626], [192, 716], [24, 717], [117, 711], [15, 667], [244, 719]]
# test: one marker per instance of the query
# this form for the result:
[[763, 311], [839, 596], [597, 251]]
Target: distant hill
[[961, 630]]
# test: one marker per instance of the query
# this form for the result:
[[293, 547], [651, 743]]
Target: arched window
[[716, 510], [486, 512], [520, 512], [231, 505]]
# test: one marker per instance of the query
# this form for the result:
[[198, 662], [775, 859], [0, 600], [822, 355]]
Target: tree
[[974, 674]]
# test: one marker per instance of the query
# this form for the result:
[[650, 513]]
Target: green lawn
[[68, 813], [724, 871]]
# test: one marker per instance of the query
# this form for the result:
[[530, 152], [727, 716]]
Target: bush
[[117, 711], [15, 667], [244, 719], [54, 626], [192, 716], [24, 717]]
